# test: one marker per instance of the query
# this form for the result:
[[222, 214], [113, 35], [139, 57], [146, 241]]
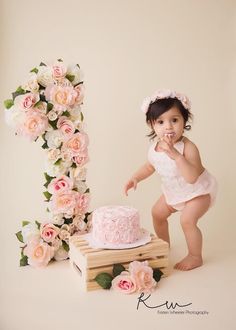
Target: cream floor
[[51, 299]]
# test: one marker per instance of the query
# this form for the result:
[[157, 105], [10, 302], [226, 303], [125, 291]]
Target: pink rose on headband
[[142, 275], [124, 283], [184, 100], [39, 253], [60, 184], [49, 232]]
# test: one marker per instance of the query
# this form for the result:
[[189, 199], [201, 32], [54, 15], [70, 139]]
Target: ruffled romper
[[175, 189]]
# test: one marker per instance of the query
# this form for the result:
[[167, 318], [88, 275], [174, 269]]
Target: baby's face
[[171, 124]]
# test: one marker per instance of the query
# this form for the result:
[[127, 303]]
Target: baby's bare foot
[[189, 262]]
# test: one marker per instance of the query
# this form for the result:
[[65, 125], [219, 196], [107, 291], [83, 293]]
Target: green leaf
[[38, 224], [42, 96], [45, 145], [19, 236], [73, 165], [19, 91], [47, 195], [117, 269], [35, 70], [8, 103], [58, 161], [104, 280], [24, 223], [87, 191], [42, 64], [157, 274], [49, 107], [24, 261], [53, 123], [66, 113], [60, 60], [78, 66], [48, 177], [65, 246], [81, 116], [70, 77]]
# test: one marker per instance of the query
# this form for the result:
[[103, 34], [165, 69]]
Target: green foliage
[[19, 236], [117, 269], [104, 280], [8, 103], [157, 274]]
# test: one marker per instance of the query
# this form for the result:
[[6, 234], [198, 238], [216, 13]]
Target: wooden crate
[[89, 262]]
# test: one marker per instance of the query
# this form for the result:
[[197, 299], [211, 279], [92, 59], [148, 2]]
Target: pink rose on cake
[[61, 184], [142, 275], [39, 253], [124, 283], [49, 232]]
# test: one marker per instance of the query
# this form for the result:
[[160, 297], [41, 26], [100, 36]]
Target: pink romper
[[176, 190]]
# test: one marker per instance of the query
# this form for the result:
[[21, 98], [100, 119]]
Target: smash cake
[[117, 227]]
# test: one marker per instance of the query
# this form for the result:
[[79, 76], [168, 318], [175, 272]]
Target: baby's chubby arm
[[144, 172], [189, 164]]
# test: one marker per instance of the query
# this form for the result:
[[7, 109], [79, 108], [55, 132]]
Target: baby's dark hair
[[157, 108]]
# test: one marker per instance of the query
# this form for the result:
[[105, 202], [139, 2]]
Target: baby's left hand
[[166, 145]]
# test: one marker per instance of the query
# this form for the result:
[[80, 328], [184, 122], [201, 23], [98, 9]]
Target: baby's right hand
[[132, 183]]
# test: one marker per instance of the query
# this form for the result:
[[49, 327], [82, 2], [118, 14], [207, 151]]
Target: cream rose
[[39, 254], [142, 275], [29, 231]]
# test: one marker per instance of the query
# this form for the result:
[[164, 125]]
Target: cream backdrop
[[127, 49]]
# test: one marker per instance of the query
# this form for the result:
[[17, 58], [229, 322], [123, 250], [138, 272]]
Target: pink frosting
[[116, 225]]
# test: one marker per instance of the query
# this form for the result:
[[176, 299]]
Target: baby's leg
[[160, 212], [192, 212]]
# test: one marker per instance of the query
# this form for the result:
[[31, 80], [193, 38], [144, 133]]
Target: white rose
[[29, 231], [52, 115], [81, 186], [32, 84], [75, 71], [61, 254], [45, 77], [14, 116], [59, 169], [56, 219], [53, 155], [54, 138]]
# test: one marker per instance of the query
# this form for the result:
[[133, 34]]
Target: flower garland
[[138, 278], [48, 105]]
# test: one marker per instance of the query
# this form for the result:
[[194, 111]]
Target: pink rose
[[81, 159], [29, 100], [142, 275], [58, 71], [76, 144], [60, 184], [49, 232], [34, 125], [82, 203], [64, 202], [62, 96], [124, 283], [80, 93], [66, 126], [39, 254]]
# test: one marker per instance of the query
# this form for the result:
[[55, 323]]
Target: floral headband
[[165, 94]]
